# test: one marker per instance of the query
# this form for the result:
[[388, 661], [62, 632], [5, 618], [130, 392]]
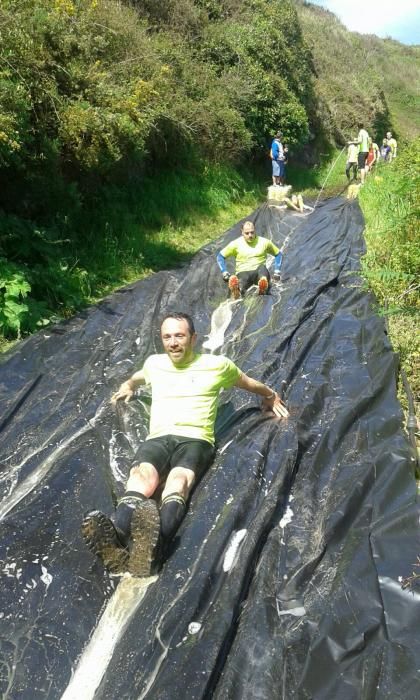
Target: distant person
[[277, 159], [294, 201], [250, 252], [385, 151], [392, 144], [371, 157], [352, 158], [363, 141], [376, 151]]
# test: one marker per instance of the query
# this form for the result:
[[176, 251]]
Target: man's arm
[[228, 251], [221, 263], [271, 400], [127, 389]]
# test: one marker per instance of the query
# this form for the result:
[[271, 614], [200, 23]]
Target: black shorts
[[361, 159], [170, 451], [250, 277]]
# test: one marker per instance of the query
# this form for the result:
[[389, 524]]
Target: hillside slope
[[361, 77]]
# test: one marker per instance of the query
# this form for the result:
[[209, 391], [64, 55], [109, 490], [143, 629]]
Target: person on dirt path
[[177, 451], [392, 143], [376, 152], [371, 157], [385, 151], [352, 159], [363, 142], [250, 252]]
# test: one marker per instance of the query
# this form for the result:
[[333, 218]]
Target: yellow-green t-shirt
[[184, 398], [393, 145], [249, 256], [363, 139]]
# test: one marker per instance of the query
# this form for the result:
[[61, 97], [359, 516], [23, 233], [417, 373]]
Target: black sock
[[124, 512], [172, 511]]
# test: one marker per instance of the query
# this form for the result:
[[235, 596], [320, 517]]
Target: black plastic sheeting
[[284, 579]]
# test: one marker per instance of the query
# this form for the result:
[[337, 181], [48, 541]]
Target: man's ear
[[193, 339]]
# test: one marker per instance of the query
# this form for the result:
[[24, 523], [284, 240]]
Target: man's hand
[[277, 276], [125, 392], [276, 405], [226, 276]]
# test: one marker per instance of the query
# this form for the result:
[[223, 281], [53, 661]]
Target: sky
[[399, 19]]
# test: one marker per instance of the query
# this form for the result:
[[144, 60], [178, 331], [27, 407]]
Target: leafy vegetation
[[390, 200], [120, 120], [132, 132]]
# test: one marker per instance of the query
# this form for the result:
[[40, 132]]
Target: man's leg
[[362, 165], [190, 459], [282, 172], [291, 204], [348, 168], [108, 537], [300, 203], [138, 512], [174, 500]]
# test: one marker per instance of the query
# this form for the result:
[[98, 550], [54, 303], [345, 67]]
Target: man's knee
[[180, 480], [144, 473]]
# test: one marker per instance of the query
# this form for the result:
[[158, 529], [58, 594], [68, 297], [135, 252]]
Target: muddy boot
[[233, 285], [102, 539], [262, 285], [145, 531]]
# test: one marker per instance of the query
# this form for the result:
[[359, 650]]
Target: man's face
[[389, 135], [177, 340], [248, 232]]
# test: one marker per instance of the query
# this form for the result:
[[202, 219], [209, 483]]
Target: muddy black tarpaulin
[[284, 579]]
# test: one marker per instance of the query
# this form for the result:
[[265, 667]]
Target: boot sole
[[145, 531], [262, 288], [235, 292], [101, 538]]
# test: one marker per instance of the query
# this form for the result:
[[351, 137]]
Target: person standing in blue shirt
[[277, 159]]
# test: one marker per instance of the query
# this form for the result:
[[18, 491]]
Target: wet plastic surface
[[284, 577]]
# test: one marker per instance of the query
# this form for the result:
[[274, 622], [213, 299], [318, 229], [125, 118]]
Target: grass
[[130, 232], [326, 177], [390, 201], [161, 226]]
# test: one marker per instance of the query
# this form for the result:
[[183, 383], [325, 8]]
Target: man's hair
[[248, 223], [278, 135], [180, 316]]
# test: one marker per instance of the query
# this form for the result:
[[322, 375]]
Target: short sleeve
[[146, 369], [229, 250], [230, 373], [271, 248]]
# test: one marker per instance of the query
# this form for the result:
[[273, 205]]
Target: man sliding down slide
[[251, 253], [177, 451]]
